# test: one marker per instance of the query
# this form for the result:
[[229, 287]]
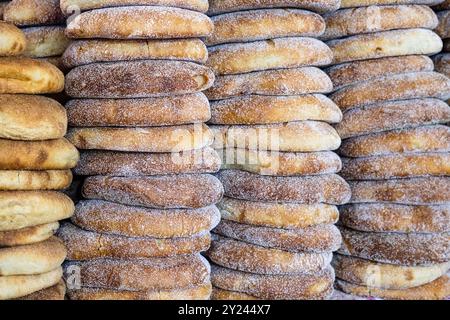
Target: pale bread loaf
[[26, 180], [47, 41], [12, 40], [33, 12], [54, 293], [28, 235]]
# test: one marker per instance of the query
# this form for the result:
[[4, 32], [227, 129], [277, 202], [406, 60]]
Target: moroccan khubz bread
[[12, 40], [47, 41], [28, 235], [26, 180], [220, 294], [366, 3], [56, 292], [33, 12]]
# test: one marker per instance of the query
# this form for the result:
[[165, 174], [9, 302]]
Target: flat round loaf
[[350, 73], [88, 245], [57, 62], [148, 139], [12, 287], [28, 235], [222, 6], [397, 87], [408, 249], [257, 109], [272, 163], [444, 24], [442, 63], [143, 274], [33, 12], [385, 276], [33, 258], [140, 22], [282, 82], [131, 79], [275, 287], [54, 293], [389, 217], [385, 44], [430, 190], [113, 218], [389, 115], [45, 41], [316, 136], [29, 117], [439, 289], [314, 239], [55, 154], [248, 257], [434, 138], [277, 215], [330, 189], [13, 41], [147, 164], [247, 26], [166, 192], [83, 52], [172, 110], [25, 75], [366, 3], [234, 58], [220, 294], [26, 180], [348, 22], [67, 6], [22, 209]]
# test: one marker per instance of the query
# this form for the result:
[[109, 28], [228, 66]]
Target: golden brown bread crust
[[385, 276], [144, 274], [330, 189], [148, 139], [439, 289], [140, 22], [57, 62], [147, 164], [282, 82], [315, 239], [113, 218], [278, 53], [165, 192], [172, 110], [430, 190], [389, 115], [348, 22], [277, 215], [442, 63], [316, 136], [56, 292], [34, 208], [410, 249], [259, 109], [55, 154], [28, 117], [275, 287], [25, 75], [385, 44], [389, 217], [247, 26], [435, 138], [13, 41], [28, 235], [23, 180], [87, 245], [130, 79], [47, 41], [443, 29], [33, 12], [366, 3], [252, 258], [359, 71], [220, 294], [83, 52]]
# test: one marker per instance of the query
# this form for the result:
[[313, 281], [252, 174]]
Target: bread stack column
[[442, 61], [272, 127], [138, 114], [395, 150], [35, 161]]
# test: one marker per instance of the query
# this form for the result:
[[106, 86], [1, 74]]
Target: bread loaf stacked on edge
[[35, 161], [395, 150], [442, 61], [272, 127], [138, 114]]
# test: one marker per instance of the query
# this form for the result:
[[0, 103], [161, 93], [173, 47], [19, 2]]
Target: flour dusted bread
[[130, 79], [83, 52], [25, 75], [442, 63], [268, 54], [220, 294], [54, 293], [366, 3], [177, 191], [12, 40], [147, 139], [28, 235], [171, 110], [46, 41], [444, 24], [34, 180], [385, 44], [140, 22], [113, 218], [33, 12], [245, 26]]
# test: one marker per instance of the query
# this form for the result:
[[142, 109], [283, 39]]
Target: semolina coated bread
[[220, 294], [26, 180], [12, 40], [33, 12], [28, 235], [46, 41], [54, 293], [444, 24], [366, 3]]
